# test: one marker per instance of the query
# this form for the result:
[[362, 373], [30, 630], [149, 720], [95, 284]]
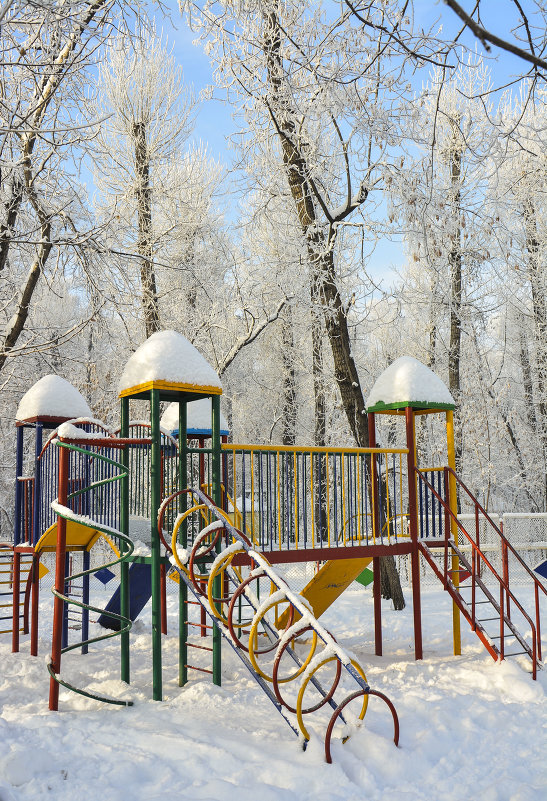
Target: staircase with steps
[[485, 598]]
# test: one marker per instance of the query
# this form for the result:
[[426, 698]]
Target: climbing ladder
[[7, 588], [264, 637], [485, 598]]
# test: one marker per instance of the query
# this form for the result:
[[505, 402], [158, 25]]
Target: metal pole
[[16, 589], [35, 589], [376, 571], [183, 589], [124, 528], [58, 603], [18, 486], [413, 517], [155, 500], [217, 498], [451, 454], [37, 507], [86, 559]]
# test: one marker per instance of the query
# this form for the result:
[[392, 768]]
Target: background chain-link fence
[[527, 534]]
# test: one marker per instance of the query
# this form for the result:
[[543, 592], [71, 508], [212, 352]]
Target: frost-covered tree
[[148, 113]]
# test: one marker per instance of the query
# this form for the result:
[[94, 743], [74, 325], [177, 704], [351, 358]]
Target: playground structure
[[220, 516]]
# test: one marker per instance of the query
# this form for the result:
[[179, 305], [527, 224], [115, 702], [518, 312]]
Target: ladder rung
[[202, 670], [498, 636], [198, 625], [485, 619], [517, 653], [201, 647], [479, 602]]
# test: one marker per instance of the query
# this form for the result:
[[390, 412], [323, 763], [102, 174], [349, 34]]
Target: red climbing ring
[[340, 707], [233, 626], [276, 681]]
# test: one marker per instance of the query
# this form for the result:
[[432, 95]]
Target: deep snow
[[470, 728]]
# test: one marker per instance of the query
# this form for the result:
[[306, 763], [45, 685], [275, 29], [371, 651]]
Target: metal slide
[[328, 584]]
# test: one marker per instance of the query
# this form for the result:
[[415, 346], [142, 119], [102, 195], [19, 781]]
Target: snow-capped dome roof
[[408, 382], [168, 360], [52, 396], [198, 420]]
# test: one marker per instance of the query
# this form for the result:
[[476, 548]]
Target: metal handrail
[[232, 446], [477, 553]]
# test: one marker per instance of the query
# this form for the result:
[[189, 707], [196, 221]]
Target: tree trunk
[[17, 322], [320, 244], [319, 408], [539, 307], [32, 118], [288, 417], [455, 266], [527, 384], [143, 194]]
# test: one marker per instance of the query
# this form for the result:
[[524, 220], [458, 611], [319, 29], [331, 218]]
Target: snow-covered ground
[[470, 728]]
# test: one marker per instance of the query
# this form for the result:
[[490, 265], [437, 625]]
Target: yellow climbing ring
[[253, 638], [304, 684], [220, 568], [180, 520]]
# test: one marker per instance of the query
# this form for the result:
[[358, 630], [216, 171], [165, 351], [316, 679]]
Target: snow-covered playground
[[470, 728]]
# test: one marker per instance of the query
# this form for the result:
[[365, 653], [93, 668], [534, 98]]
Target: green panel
[[366, 577], [383, 407]]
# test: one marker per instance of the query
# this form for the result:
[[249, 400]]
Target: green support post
[[217, 498], [155, 500], [183, 538], [124, 526]]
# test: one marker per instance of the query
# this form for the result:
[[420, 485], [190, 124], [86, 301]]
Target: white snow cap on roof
[[409, 381], [198, 416], [168, 356], [52, 396]]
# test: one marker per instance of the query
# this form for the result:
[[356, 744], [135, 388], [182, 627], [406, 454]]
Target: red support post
[[16, 587], [413, 517], [35, 591], [60, 561]]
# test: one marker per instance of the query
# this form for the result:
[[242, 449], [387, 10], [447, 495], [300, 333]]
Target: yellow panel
[[78, 538], [42, 570], [111, 543], [328, 584], [169, 385], [174, 576]]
